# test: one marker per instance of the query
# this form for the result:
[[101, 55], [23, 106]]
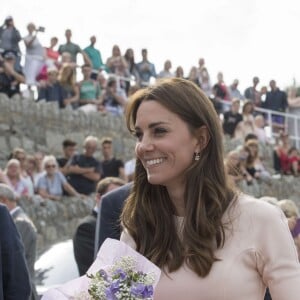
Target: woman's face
[[116, 51], [13, 170], [50, 167], [248, 108], [165, 144], [253, 149]]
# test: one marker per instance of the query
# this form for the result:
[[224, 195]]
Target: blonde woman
[[52, 183], [67, 79], [14, 178]]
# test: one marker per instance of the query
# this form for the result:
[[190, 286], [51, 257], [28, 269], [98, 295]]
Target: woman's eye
[[159, 131], [138, 135]]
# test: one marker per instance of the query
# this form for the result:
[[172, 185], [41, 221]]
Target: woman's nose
[[146, 144]]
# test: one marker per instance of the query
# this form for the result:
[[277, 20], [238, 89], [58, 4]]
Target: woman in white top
[[210, 241], [35, 55]]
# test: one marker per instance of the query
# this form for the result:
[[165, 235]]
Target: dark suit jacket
[[84, 242], [14, 277], [28, 234], [109, 216]]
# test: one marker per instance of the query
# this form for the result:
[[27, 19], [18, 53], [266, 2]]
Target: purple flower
[[120, 273], [141, 290], [112, 290], [103, 274]]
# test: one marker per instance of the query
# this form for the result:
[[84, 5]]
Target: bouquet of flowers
[[118, 272], [121, 281]]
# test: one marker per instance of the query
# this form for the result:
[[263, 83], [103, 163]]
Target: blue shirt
[[53, 186]]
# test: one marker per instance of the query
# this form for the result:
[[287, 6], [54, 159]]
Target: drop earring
[[197, 156]]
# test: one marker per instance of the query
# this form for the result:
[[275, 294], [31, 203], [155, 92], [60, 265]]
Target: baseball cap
[[9, 55]]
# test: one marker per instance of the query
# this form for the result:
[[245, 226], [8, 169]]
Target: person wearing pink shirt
[[210, 241]]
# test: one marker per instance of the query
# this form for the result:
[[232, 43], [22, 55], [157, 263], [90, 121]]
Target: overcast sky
[[242, 38]]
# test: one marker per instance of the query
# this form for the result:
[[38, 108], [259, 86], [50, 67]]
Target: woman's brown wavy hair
[[148, 214]]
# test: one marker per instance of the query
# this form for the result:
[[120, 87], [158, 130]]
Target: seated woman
[[254, 165], [235, 166], [14, 178], [67, 79], [280, 154], [52, 183], [247, 125]]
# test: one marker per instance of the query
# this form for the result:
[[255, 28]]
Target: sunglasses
[[50, 166]]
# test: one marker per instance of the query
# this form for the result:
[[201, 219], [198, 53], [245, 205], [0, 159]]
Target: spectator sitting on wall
[[14, 178], [51, 91], [247, 124], [281, 161], [89, 91], [21, 155], [10, 78], [70, 90], [254, 165], [113, 100], [259, 129], [52, 183]]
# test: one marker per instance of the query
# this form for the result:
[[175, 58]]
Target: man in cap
[[10, 78]]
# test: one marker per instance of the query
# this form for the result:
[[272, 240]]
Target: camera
[[41, 29]]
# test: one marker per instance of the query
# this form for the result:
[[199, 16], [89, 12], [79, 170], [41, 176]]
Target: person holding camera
[[35, 54]]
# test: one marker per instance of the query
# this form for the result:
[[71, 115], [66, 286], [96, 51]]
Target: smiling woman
[[184, 216]]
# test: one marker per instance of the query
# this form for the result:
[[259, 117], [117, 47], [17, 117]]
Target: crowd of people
[[53, 70], [185, 136]]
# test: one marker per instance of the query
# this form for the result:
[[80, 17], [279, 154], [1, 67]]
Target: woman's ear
[[203, 137]]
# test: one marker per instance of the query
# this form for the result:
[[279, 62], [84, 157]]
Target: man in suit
[[84, 238], [108, 221], [26, 229], [14, 277]]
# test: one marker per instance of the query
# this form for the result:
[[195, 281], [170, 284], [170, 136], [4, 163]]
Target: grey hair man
[[25, 227]]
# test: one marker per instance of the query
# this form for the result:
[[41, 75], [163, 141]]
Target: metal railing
[[291, 123]]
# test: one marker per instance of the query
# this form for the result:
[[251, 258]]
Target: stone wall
[[42, 126], [56, 220]]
